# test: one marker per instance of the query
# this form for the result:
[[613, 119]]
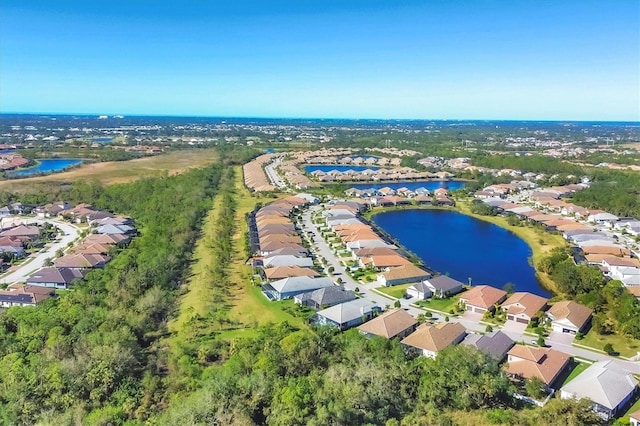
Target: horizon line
[[247, 117]]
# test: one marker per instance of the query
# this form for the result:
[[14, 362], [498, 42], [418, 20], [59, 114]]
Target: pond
[[47, 166], [463, 247], [451, 185]]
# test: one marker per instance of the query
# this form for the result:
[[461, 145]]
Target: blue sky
[[441, 59]]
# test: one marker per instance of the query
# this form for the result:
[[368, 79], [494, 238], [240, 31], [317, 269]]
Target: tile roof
[[524, 303], [543, 363], [389, 324], [408, 271], [574, 312], [483, 296], [435, 337]]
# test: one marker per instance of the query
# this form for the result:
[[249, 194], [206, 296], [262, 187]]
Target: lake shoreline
[[531, 237]]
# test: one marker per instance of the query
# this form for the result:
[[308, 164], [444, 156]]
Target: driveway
[[514, 327]]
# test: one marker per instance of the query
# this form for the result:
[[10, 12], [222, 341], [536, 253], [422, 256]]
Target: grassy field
[[627, 347], [396, 291], [249, 306], [120, 171], [442, 305]]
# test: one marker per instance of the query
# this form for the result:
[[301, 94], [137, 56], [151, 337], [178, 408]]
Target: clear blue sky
[[440, 59]]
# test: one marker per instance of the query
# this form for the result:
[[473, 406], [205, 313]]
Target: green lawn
[[396, 291], [442, 305], [578, 367], [626, 346]]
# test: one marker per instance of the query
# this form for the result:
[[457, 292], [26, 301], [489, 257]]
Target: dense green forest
[[617, 192]]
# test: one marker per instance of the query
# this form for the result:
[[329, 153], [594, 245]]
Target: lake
[[47, 166], [428, 184], [463, 247], [326, 169]]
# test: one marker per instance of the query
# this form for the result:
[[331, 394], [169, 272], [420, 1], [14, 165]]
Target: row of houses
[[583, 228], [254, 175], [377, 175], [386, 197], [369, 160], [606, 383]]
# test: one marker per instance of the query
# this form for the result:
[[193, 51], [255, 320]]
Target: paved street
[[471, 322], [273, 175], [70, 233]]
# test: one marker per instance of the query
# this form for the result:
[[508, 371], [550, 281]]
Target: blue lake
[[430, 185], [47, 166], [329, 168], [463, 247]]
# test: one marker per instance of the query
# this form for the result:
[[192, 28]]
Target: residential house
[[384, 262], [428, 340], [324, 297], [24, 296], [634, 418], [495, 344], [526, 362], [61, 278], [348, 314], [569, 317], [115, 229], [420, 291], [280, 272], [82, 261], [272, 261], [443, 286], [607, 384], [23, 233], [392, 324], [482, 298], [522, 306], [287, 288], [402, 275]]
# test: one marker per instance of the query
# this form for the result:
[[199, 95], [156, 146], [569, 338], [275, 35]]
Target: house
[[24, 296], [280, 272], [61, 278], [607, 384], [287, 260], [443, 286], [569, 317], [482, 298], [495, 344], [402, 275], [346, 315], [634, 418], [384, 261], [23, 233], [420, 291], [117, 239], [525, 362], [428, 340], [324, 297], [81, 261], [287, 288], [522, 306], [115, 229], [392, 324]]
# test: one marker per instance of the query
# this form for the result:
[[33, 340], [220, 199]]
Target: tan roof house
[[391, 324], [482, 298], [522, 306], [569, 317], [525, 362], [430, 339], [402, 275]]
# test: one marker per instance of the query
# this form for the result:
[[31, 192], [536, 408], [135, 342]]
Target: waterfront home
[[61, 278], [522, 306], [607, 384], [423, 199], [24, 296], [569, 317], [287, 288], [443, 286], [526, 362], [404, 274], [381, 262], [392, 324], [347, 315], [482, 298], [428, 340], [324, 297]]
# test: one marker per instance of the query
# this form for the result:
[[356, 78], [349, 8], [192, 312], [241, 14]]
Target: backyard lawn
[[578, 367], [442, 305], [627, 347]]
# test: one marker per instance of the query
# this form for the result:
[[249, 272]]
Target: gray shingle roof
[[496, 344], [329, 296]]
